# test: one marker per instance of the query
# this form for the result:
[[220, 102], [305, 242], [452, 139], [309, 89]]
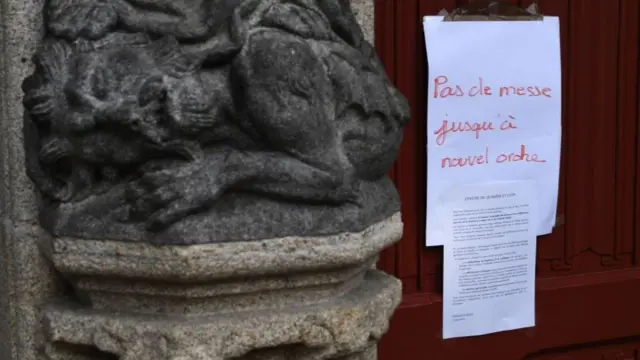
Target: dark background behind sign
[[588, 279]]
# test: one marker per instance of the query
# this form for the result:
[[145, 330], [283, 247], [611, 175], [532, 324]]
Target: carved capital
[[182, 122]]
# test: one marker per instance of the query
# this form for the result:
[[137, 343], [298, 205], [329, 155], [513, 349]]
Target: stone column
[[279, 270], [27, 280]]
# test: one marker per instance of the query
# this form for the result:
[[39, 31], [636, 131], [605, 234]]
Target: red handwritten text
[[483, 159], [443, 91], [530, 91], [519, 157], [507, 124], [448, 127], [480, 89]]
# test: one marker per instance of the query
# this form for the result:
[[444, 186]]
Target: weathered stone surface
[[344, 327], [221, 277], [290, 298], [21, 27], [202, 121], [238, 217], [27, 280], [364, 13]]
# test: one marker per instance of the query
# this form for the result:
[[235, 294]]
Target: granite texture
[[210, 121], [364, 13], [238, 217], [26, 279], [345, 327], [282, 299], [221, 277]]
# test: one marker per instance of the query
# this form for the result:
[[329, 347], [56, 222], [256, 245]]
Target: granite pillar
[[27, 279], [66, 297]]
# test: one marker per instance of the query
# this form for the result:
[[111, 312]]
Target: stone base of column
[[290, 298]]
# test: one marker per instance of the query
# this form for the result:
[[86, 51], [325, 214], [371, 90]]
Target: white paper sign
[[489, 261], [493, 110]]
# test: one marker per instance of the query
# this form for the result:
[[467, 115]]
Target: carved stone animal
[[182, 121]]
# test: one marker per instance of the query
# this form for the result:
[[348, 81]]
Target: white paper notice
[[489, 260], [494, 110]]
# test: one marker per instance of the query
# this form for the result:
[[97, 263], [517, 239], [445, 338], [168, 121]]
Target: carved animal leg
[[168, 192], [284, 176], [288, 102]]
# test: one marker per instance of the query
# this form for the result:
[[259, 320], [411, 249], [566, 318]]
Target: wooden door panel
[[588, 287], [429, 259], [599, 155], [579, 312], [550, 246], [385, 47], [591, 151], [626, 349], [409, 161], [628, 126]]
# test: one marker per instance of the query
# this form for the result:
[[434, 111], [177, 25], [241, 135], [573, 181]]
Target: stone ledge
[[219, 277], [342, 328], [82, 257]]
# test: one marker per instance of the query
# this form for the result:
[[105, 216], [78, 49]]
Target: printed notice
[[489, 259], [493, 110]]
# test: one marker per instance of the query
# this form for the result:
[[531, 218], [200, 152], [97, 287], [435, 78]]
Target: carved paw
[[55, 149], [165, 194]]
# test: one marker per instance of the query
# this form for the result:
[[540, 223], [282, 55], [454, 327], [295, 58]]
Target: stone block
[[221, 277], [289, 298], [27, 281], [343, 327]]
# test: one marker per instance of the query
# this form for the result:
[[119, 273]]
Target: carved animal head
[[112, 91]]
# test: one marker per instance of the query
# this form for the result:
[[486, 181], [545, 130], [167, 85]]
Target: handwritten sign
[[493, 110]]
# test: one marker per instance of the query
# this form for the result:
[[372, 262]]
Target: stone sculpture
[[212, 177], [201, 121]]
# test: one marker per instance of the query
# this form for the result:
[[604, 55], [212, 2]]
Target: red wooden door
[[588, 273]]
